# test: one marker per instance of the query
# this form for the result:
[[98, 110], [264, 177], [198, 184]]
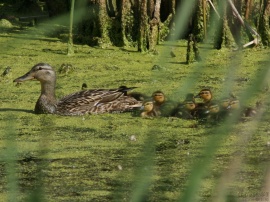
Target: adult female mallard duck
[[93, 101]]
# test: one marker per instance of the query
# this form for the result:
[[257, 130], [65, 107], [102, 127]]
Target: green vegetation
[[122, 157]]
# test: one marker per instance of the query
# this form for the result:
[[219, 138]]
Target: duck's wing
[[122, 104], [91, 96], [96, 101]]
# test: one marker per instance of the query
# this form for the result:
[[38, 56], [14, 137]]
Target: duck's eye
[[39, 68]]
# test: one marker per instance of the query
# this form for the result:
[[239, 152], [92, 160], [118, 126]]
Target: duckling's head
[[189, 105], [158, 97], [234, 104], [205, 94], [148, 106], [42, 72], [224, 103]]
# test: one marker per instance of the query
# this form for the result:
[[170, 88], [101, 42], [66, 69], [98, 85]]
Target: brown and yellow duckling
[[202, 108], [187, 109], [149, 110], [235, 106], [206, 96], [93, 101], [224, 107], [213, 113], [161, 103], [159, 98]]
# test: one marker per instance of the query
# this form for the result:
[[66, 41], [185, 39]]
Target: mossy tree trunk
[[104, 23], [126, 17], [154, 27], [264, 22], [143, 35], [197, 22], [223, 36]]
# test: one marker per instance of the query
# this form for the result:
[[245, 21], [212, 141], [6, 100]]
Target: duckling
[[149, 109], [245, 111], [186, 109], [93, 101], [224, 107], [213, 113], [206, 96], [159, 98], [165, 106]]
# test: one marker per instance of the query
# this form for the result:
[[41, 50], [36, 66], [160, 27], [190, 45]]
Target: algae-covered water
[[123, 157]]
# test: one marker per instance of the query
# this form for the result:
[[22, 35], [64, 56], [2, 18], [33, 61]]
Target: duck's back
[[95, 102]]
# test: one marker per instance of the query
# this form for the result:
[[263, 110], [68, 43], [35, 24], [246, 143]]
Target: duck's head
[[224, 103], [234, 104], [189, 102], [147, 106], [42, 72], [205, 94], [158, 97]]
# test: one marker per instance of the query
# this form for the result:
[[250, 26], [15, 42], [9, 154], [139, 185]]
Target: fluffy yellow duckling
[[187, 109], [206, 96], [158, 97], [149, 110]]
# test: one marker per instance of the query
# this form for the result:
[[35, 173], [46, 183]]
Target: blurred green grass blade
[[11, 156], [144, 171]]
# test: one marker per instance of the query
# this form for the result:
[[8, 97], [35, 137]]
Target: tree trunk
[[249, 6], [264, 22], [143, 38], [223, 36], [103, 20], [127, 18], [154, 27], [197, 22]]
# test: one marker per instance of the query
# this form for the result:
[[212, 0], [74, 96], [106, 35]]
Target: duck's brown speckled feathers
[[94, 101]]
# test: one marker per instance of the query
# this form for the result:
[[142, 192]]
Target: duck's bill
[[23, 78]]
